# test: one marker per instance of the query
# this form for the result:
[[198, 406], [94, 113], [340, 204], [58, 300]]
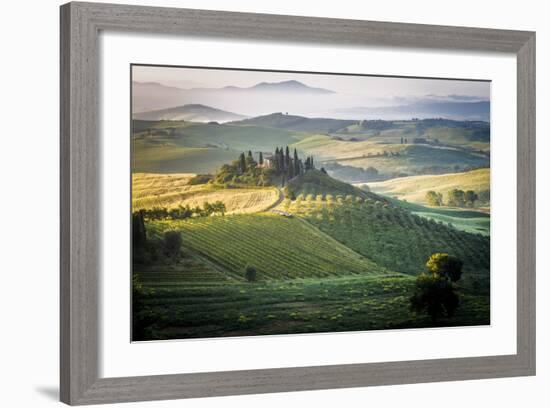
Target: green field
[[182, 309], [390, 235], [262, 240], [186, 147], [475, 222], [328, 256]]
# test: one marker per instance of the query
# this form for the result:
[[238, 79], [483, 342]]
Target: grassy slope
[[186, 147], [263, 240], [414, 188], [391, 236], [315, 182], [475, 222], [412, 157]]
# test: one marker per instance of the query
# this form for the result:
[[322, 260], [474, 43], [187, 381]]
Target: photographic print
[[271, 203]]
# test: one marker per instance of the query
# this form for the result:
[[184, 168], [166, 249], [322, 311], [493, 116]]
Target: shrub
[[250, 273], [172, 243]]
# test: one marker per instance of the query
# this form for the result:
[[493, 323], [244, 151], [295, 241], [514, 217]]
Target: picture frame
[[81, 24]]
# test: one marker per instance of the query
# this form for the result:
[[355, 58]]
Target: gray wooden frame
[[80, 191]]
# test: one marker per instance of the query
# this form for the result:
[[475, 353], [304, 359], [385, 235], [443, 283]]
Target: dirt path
[[276, 203]]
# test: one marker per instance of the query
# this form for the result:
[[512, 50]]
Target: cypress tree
[[261, 159], [242, 163], [296, 163], [276, 159], [287, 157]]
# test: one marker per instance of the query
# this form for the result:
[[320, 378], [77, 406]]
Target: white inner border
[[120, 357]]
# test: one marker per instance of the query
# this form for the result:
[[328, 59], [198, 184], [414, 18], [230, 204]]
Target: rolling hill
[[390, 158], [414, 188], [315, 182], [389, 234], [297, 123], [191, 112], [232, 242]]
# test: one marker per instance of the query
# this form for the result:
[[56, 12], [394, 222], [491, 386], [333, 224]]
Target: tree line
[[183, 212], [455, 198], [284, 164], [246, 170]]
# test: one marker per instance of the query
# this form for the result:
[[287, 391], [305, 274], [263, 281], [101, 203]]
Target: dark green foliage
[[261, 159], [139, 234], [435, 296], [250, 273], [242, 163], [397, 239], [172, 243], [144, 320], [435, 293], [181, 212]]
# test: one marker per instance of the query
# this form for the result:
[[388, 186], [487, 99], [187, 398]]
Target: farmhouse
[[268, 160]]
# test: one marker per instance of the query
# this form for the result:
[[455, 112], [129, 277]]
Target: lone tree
[[250, 273], [445, 265], [435, 292], [172, 243]]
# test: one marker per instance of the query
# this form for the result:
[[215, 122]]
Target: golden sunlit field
[[173, 190], [414, 188]]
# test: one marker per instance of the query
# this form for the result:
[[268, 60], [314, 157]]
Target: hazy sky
[[374, 90]]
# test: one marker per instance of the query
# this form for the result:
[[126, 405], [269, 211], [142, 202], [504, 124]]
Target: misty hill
[[191, 112], [252, 101], [284, 86], [297, 123], [479, 110]]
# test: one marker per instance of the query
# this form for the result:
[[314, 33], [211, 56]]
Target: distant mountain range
[[190, 112], [148, 96], [285, 86], [479, 110]]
